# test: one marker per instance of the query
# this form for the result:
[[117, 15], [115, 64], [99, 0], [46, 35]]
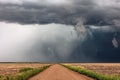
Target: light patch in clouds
[[108, 3], [11, 1], [58, 2], [115, 43], [28, 42], [38, 2]]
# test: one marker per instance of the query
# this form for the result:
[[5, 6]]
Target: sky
[[59, 31]]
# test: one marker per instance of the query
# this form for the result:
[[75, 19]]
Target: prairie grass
[[89, 73], [25, 69], [25, 73]]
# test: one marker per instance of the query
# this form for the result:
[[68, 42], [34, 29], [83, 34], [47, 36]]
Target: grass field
[[23, 71], [99, 71], [13, 68], [20, 71], [104, 68]]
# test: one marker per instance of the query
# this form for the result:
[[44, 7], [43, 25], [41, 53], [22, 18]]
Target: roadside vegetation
[[25, 69], [89, 73], [24, 73]]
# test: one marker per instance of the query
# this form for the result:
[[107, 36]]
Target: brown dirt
[[58, 72], [13, 68]]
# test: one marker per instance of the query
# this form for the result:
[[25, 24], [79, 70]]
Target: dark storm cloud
[[64, 12], [95, 38], [58, 43]]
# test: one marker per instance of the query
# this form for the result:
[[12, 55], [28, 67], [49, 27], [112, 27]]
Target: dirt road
[[58, 72]]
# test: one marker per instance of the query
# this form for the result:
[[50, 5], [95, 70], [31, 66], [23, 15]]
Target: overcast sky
[[60, 11], [44, 30]]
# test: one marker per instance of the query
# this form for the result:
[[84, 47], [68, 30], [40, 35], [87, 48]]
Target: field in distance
[[13, 68], [104, 68]]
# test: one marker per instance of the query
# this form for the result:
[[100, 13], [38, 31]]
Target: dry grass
[[104, 68], [13, 68]]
